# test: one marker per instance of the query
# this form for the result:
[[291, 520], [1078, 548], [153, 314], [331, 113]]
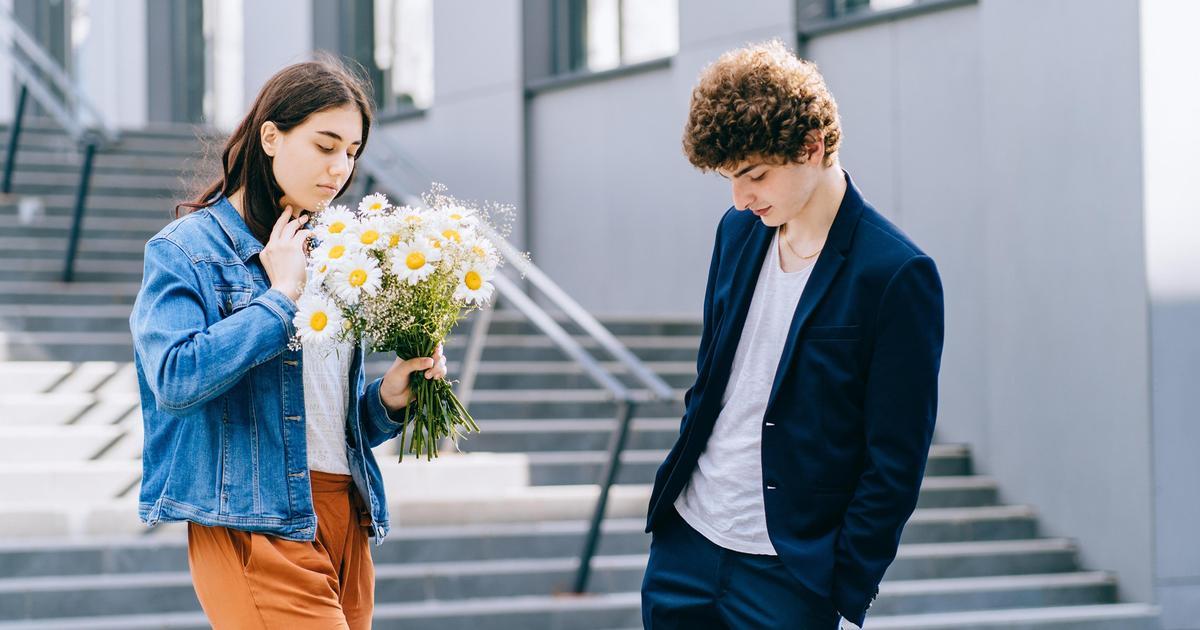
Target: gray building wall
[[472, 138], [965, 126], [1170, 101], [1041, 151]]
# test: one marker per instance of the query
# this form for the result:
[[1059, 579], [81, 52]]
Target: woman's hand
[[395, 390], [283, 257]]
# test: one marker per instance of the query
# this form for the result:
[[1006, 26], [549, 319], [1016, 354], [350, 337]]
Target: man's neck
[[813, 223]]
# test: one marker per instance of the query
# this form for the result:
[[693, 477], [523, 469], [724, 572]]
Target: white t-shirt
[[723, 500], [326, 400]]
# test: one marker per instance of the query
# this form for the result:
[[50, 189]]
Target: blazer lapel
[[745, 278], [824, 272]]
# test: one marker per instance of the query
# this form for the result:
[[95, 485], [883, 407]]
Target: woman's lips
[[759, 213], [329, 189]]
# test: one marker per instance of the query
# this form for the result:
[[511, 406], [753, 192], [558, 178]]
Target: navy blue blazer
[[850, 417]]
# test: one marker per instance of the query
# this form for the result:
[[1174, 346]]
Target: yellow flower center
[[368, 237], [479, 251], [323, 269], [336, 228], [336, 251], [452, 235], [413, 218], [376, 206], [394, 240], [473, 280], [415, 260], [436, 243], [358, 277], [318, 321], [456, 216]]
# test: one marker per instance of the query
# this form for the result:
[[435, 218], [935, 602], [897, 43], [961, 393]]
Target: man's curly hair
[[760, 101]]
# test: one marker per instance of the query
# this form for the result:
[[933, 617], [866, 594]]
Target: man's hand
[[395, 391]]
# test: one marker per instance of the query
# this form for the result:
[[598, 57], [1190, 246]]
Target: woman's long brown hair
[[287, 99]]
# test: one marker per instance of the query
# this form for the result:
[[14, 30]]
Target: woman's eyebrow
[[337, 137]]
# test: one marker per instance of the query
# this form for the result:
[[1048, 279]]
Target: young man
[[805, 435]]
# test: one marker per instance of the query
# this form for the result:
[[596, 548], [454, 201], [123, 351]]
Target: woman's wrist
[[290, 290]]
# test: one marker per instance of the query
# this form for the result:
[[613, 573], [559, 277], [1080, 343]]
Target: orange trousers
[[251, 580]]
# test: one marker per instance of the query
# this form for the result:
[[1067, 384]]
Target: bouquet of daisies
[[399, 278]]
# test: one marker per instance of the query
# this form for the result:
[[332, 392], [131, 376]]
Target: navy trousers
[[693, 584]]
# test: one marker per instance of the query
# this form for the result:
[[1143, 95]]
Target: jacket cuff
[[388, 421], [282, 306]]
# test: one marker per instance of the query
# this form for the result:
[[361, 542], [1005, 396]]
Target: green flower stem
[[434, 413]]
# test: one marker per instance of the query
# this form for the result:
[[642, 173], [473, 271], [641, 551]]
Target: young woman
[[265, 451]]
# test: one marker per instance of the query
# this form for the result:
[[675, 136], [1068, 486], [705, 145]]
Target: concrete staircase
[[486, 539]]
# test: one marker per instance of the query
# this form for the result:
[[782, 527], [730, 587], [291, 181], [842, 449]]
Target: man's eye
[[755, 178]]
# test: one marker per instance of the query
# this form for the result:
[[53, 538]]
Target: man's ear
[[814, 148], [269, 135]]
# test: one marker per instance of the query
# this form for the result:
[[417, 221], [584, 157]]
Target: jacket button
[[771, 485]]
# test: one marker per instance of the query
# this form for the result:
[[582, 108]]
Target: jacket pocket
[[231, 299]]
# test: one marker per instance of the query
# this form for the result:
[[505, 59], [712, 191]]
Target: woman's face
[[314, 159]]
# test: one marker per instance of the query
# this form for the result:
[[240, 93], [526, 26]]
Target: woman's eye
[[325, 149]]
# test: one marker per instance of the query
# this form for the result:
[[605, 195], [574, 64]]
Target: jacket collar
[[244, 241]]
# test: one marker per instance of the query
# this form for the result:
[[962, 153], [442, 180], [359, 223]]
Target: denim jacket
[[222, 395]]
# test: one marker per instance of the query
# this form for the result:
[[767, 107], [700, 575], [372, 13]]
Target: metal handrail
[[622, 395], [60, 109], [58, 76]]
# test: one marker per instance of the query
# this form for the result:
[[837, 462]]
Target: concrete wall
[[472, 138], [966, 127], [917, 157], [1170, 100], [111, 68], [620, 217], [1068, 332], [276, 33]]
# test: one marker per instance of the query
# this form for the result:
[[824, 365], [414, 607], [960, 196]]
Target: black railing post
[[607, 479], [85, 178], [14, 136]]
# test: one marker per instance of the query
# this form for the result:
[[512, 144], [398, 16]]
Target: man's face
[[775, 193]]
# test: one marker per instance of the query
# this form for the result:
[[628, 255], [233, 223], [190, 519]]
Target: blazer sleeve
[[899, 409]]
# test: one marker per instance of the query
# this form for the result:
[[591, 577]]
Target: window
[[596, 35], [839, 8], [404, 52], [391, 39]]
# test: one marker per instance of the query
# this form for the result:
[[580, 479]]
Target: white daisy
[[318, 321], [458, 216], [413, 261], [473, 286], [482, 252], [371, 233], [392, 229], [359, 275], [332, 253], [335, 221], [411, 217], [373, 204]]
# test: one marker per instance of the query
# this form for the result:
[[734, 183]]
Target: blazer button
[[770, 485]]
